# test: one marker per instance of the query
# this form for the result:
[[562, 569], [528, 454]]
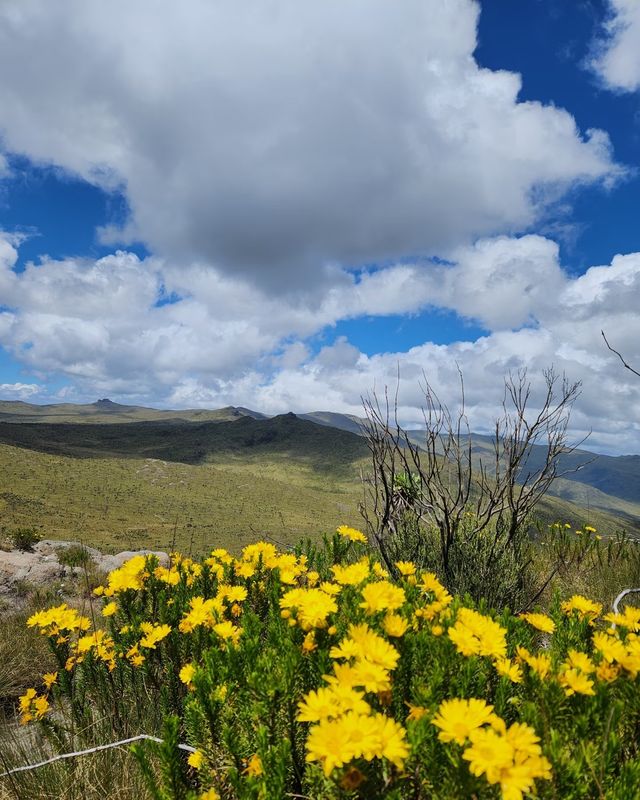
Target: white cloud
[[273, 140], [5, 169], [617, 59], [223, 341], [19, 391]]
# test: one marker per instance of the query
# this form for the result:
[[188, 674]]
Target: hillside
[[130, 503], [193, 443], [107, 412], [317, 453]]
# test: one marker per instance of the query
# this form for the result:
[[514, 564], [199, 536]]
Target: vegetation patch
[[313, 673]]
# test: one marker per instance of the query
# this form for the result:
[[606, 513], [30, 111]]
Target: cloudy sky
[[284, 204]]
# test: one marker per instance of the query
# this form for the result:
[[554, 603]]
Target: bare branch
[[624, 363], [435, 484]]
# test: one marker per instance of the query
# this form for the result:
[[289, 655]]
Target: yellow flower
[[475, 634], [59, 618], [629, 619], [352, 574], [49, 679], [509, 670], [312, 607], [153, 634], [332, 589], [611, 648], [110, 609], [379, 571], [431, 585], [575, 682], [169, 576], [394, 625], [406, 568], [309, 644], [371, 677], [365, 645], [607, 672], [244, 569], [41, 705], [254, 766], [509, 757], [586, 608], [202, 613], [33, 705], [540, 621], [457, 718], [130, 575], [329, 702], [489, 754], [232, 594], [263, 553], [210, 794], [135, 656], [580, 661], [336, 742], [540, 663], [227, 630], [382, 596], [26, 701], [222, 555], [415, 713], [187, 673], [196, 759], [351, 533]]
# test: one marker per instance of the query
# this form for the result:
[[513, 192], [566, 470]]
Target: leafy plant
[[25, 538], [312, 673], [75, 555]]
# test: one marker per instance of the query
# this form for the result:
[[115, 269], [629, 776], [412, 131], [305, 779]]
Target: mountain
[[105, 411], [608, 483], [344, 422], [192, 442]]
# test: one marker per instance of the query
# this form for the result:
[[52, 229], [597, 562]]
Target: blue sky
[[285, 209]]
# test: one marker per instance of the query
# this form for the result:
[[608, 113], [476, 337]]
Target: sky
[[288, 206]]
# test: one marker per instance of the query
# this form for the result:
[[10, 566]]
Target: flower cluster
[[508, 756], [347, 726], [335, 669]]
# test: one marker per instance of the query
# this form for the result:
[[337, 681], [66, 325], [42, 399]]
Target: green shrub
[[311, 673], [25, 539], [75, 555]]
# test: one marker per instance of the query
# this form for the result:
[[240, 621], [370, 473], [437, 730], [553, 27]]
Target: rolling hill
[[315, 452], [325, 448], [107, 412]]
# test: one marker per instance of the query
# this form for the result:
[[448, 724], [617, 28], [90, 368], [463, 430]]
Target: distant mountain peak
[[105, 403]]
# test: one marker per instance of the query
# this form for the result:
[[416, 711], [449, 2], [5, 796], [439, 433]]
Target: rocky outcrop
[[20, 570]]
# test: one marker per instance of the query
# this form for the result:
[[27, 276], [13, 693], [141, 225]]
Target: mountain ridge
[[608, 483]]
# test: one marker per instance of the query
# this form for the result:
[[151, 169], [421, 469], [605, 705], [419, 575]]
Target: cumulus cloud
[[107, 327], [617, 58], [19, 391], [5, 169], [274, 140]]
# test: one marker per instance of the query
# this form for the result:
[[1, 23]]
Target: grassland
[[130, 503], [197, 485]]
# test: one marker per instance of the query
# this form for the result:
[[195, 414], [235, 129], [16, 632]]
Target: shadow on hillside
[[320, 447]]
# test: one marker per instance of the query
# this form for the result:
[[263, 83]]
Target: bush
[[25, 539], [75, 555], [312, 673]]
